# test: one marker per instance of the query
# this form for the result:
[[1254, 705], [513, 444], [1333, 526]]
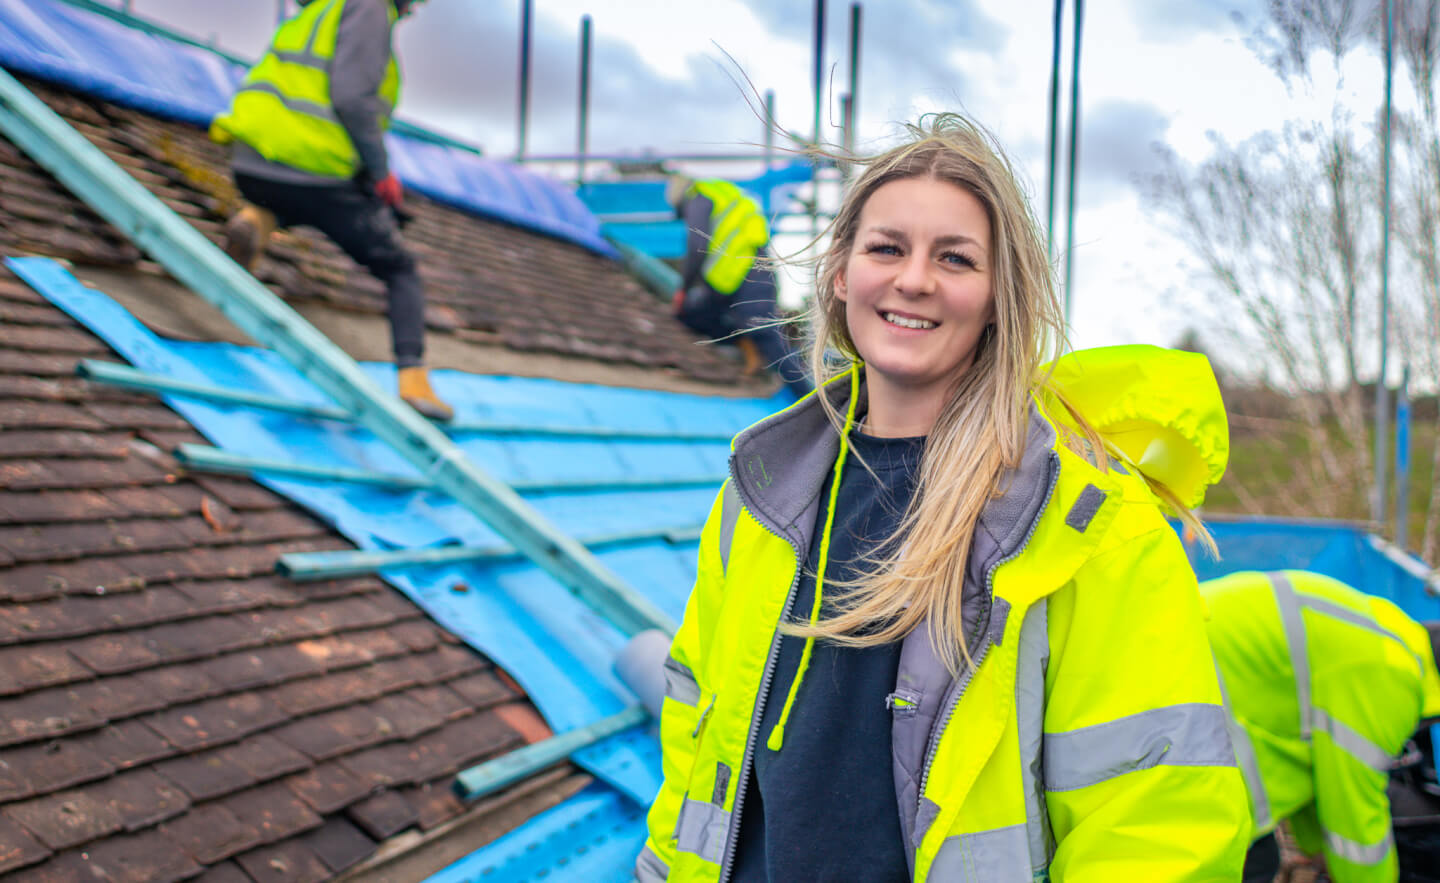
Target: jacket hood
[[1160, 409]]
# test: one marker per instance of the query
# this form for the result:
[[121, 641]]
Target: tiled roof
[[167, 704], [484, 279]]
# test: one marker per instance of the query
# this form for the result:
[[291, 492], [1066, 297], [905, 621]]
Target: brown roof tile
[[339, 844], [142, 798], [125, 744], [205, 776], [216, 721], [64, 820], [264, 757], [328, 787], [211, 834], [435, 803], [275, 810], [31, 667], [383, 814], [44, 714], [18, 847], [60, 763], [227, 872], [288, 862], [62, 442], [148, 857], [330, 734]]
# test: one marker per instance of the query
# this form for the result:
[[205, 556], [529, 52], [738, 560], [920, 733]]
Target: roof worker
[[727, 287], [937, 634], [307, 126], [1324, 684]]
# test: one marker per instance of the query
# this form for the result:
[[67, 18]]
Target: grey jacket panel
[[362, 53], [695, 213]]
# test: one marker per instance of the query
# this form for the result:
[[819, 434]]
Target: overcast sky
[[1152, 71]]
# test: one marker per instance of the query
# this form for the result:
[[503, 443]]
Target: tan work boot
[[246, 234], [754, 363], [416, 392]]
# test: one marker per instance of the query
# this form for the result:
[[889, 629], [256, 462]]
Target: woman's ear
[[840, 285]]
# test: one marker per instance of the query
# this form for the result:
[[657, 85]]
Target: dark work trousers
[[365, 229], [1262, 862], [751, 310]]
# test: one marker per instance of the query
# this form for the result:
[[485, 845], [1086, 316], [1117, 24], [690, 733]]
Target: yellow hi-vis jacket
[[1325, 684], [737, 233], [283, 108], [1087, 742]]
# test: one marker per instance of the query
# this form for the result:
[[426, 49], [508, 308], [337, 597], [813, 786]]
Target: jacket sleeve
[[1350, 818], [1140, 778], [362, 53], [684, 704], [696, 215]]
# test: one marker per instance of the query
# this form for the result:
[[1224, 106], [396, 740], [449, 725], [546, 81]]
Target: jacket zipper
[[731, 834], [933, 745]]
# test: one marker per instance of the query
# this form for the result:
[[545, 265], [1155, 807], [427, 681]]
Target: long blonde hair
[[979, 435]]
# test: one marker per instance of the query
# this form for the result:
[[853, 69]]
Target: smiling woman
[[972, 610]]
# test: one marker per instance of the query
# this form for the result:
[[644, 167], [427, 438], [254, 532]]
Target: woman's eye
[[882, 248], [955, 257]]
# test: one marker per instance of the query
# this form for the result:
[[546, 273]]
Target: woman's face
[[917, 288]]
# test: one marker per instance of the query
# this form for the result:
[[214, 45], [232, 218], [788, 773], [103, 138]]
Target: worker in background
[[1324, 684], [307, 124], [727, 288]]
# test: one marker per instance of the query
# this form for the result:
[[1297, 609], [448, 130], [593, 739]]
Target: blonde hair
[[980, 433]]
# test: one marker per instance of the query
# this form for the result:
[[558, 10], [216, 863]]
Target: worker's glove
[[389, 190]]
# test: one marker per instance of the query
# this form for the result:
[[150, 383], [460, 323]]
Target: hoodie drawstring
[[777, 733]]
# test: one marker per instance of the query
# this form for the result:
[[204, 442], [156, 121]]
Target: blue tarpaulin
[[143, 68], [557, 648]]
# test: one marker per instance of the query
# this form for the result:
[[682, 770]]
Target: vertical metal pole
[[1402, 462], [769, 127], [1382, 407], [819, 64], [1074, 154], [847, 131], [854, 78], [525, 10], [583, 138], [1054, 130]]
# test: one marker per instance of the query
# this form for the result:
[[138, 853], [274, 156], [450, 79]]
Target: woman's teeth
[[907, 322]]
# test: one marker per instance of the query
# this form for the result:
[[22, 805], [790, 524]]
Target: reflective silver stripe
[[1034, 656], [701, 830], [1358, 746], [996, 856], [729, 514], [680, 683], [303, 59], [1245, 758], [1294, 623], [298, 105], [1192, 734], [649, 868], [1341, 612], [1359, 853]]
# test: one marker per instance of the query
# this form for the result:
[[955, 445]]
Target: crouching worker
[[941, 629], [727, 289], [1325, 685], [307, 124]]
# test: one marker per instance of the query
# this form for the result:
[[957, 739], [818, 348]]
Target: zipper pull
[[901, 704]]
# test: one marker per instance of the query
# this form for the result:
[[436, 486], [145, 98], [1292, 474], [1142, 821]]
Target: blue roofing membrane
[[109, 59], [555, 647]]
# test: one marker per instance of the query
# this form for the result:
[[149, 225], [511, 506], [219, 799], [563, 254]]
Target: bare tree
[[1286, 227]]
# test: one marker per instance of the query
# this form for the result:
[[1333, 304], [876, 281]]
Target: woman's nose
[[914, 277]]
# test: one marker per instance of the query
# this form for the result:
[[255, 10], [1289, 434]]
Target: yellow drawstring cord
[[777, 733]]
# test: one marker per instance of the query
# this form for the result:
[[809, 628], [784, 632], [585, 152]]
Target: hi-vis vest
[[283, 109], [1086, 744], [737, 231], [1324, 684]]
